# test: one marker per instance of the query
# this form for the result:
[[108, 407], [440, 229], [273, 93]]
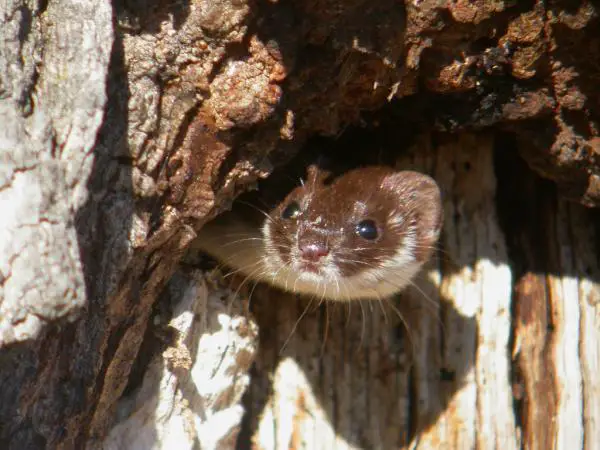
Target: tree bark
[[125, 127]]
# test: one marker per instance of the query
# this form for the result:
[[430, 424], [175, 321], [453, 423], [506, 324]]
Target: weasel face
[[364, 235]]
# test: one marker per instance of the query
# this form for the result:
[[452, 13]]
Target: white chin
[[311, 277], [328, 282]]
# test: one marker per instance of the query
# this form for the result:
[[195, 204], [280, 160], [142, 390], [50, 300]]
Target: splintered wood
[[477, 354], [190, 395], [557, 344]]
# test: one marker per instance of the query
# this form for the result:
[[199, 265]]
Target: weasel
[[364, 234]]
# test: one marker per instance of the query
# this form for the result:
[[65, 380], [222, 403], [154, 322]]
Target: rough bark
[[52, 75], [109, 165]]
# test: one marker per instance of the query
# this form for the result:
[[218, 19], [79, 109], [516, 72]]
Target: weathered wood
[[459, 391], [458, 324], [555, 253], [191, 393]]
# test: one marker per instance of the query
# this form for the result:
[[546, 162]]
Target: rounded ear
[[316, 175], [421, 195]]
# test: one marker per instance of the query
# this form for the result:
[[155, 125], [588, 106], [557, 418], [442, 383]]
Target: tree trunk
[[125, 127]]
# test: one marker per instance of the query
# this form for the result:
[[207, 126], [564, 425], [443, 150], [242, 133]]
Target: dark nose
[[313, 252]]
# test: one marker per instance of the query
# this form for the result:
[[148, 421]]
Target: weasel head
[[363, 235]]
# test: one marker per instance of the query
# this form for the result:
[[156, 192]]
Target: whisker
[[295, 282], [238, 241], [256, 283], [433, 305], [241, 269], [349, 312], [264, 213], [407, 281], [245, 280], [405, 324], [237, 233], [291, 333], [326, 335], [289, 272], [362, 329], [385, 317]]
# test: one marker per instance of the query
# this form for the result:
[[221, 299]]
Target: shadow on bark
[[55, 377], [104, 225]]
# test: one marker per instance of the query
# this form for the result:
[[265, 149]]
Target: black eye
[[367, 229], [291, 211]]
